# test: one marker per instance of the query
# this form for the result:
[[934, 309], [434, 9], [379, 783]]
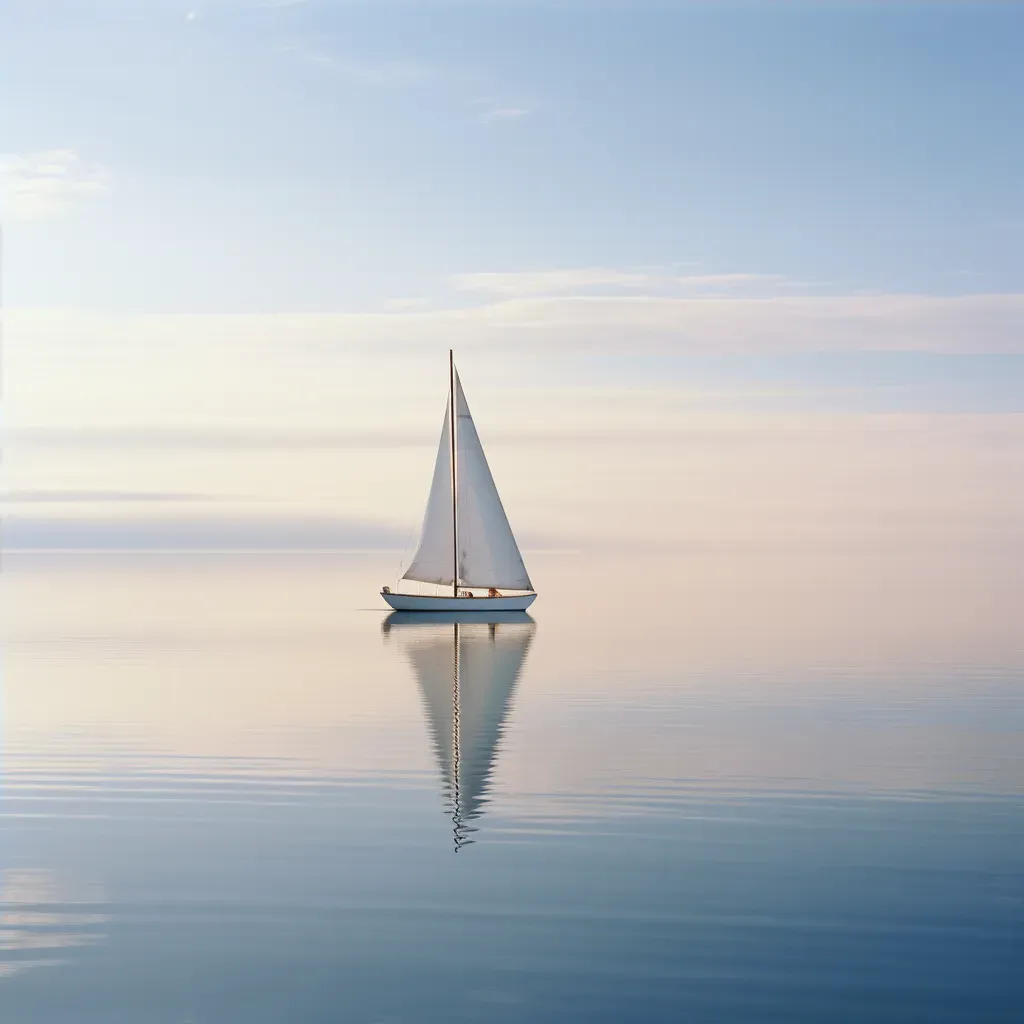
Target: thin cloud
[[29, 497], [188, 439], [505, 114], [716, 324], [47, 183], [198, 533], [588, 280], [557, 317]]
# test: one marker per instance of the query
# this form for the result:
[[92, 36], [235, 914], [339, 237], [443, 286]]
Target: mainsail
[[488, 553]]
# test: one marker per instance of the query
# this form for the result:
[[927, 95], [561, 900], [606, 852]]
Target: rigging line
[[452, 430]]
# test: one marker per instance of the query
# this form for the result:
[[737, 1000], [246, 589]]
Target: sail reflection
[[467, 665]]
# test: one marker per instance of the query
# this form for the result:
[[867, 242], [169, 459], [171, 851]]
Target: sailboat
[[467, 665], [466, 542]]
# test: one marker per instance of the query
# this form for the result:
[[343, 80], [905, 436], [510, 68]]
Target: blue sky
[[231, 216], [325, 155]]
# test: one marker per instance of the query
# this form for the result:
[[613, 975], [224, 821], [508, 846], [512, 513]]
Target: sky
[[699, 249]]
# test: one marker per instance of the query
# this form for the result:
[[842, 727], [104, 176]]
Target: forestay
[[488, 553]]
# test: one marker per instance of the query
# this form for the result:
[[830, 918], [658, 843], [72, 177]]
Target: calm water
[[728, 789]]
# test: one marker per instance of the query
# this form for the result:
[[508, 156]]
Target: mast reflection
[[467, 665]]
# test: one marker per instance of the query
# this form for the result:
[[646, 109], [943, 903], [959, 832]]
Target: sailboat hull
[[425, 603]]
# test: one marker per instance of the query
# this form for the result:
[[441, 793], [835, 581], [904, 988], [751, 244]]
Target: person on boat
[[493, 592], [465, 593]]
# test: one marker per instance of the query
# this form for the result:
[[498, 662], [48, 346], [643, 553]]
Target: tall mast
[[455, 479]]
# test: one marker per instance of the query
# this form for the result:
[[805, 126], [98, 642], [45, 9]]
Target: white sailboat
[[466, 542]]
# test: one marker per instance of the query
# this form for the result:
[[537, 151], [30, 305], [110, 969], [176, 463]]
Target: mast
[[455, 481]]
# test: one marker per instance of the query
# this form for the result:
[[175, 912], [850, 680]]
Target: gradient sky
[[326, 155], [268, 220]]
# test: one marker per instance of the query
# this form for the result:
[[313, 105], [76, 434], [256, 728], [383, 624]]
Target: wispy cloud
[[505, 114], [606, 280], [100, 497], [47, 183], [198, 533], [895, 322], [143, 438], [558, 318]]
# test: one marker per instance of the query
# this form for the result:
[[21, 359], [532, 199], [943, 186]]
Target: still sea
[[726, 788]]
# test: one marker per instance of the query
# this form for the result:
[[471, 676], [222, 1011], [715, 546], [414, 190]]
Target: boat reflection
[[467, 665]]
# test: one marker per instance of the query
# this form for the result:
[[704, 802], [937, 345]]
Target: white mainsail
[[488, 553]]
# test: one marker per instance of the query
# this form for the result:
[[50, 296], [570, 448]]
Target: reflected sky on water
[[234, 790]]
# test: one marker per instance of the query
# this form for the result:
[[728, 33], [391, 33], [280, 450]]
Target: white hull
[[403, 619], [424, 603]]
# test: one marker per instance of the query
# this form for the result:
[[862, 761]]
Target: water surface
[[725, 789]]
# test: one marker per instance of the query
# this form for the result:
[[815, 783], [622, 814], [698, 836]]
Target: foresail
[[433, 561], [488, 553]]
